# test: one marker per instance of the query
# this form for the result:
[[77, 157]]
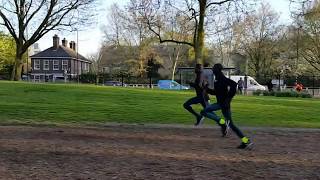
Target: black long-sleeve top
[[224, 89]]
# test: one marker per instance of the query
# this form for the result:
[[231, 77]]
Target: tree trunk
[[97, 74], [200, 34], [175, 64], [17, 69]]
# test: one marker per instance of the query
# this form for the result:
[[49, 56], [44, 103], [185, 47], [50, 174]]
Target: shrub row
[[282, 94]]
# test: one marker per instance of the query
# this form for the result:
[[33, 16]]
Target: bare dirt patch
[[138, 152]]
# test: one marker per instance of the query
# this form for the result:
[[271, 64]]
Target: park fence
[[311, 84]]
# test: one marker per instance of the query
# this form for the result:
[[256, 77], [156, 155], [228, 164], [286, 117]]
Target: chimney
[[73, 45], [64, 42], [56, 41]]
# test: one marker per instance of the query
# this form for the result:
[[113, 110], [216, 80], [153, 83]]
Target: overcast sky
[[90, 40]]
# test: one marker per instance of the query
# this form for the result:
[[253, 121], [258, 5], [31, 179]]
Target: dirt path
[[137, 152]]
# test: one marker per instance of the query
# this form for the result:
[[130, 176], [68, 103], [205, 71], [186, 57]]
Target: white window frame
[[56, 63], [85, 67], [46, 64], [79, 67], [36, 65], [65, 65]]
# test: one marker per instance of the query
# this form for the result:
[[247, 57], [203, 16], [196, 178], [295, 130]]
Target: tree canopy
[[7, 52], [29, 20]]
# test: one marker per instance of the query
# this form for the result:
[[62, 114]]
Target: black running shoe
[[199, 121], [247, 145]]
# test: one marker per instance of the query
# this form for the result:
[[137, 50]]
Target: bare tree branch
[[166, 40], [9, 26], [218, 3], [34, 12]]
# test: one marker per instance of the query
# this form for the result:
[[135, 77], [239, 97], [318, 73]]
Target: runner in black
[[224, 90]]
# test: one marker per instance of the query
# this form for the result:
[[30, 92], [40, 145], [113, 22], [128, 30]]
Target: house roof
[[61, 52]]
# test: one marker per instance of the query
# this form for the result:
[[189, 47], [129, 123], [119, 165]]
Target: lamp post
[[297, 54], [297, 51], [77, 54], [77, 50], [25, 8], [27, 61], [246, 77]]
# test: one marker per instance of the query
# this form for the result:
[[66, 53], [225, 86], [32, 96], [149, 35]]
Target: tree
[[7, 52], [29, 20], [224, 43], [310, 36], [259, 34], [163, 16], [174, 58], [146, 54], [153, 65], [127, 28], [124, 28], [128, 40], [96, 64]]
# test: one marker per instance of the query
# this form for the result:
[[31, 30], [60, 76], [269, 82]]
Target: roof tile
[[60, 52]]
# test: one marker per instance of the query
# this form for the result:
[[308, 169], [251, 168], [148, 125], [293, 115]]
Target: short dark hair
[[218, 67], [198, 65]]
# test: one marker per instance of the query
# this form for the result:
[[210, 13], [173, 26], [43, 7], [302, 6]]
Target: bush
[[295, 94], [257, 93], [305, 95], [292, 94], [282, 94], [268, 93], [88, 78], [286, 94], [272, 93], [5, 72]]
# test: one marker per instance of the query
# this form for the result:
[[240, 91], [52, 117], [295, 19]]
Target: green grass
[[89, 104]]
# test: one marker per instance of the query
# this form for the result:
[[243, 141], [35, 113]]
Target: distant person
[[240, 85], [245, 84], [298, 87], [201, 95], [224, 90], [270, 85]]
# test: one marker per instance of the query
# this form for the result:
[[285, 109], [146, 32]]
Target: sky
[[90, 39]]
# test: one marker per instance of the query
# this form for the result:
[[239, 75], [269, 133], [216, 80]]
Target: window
[[37, 78], [55, 65], [79, 67], [106, 69], [252, 82], [86, 67], [46, 65], [36, 65], [174, 84], [65, 64]]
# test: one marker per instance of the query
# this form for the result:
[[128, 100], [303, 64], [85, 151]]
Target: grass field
[[89, 104]]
